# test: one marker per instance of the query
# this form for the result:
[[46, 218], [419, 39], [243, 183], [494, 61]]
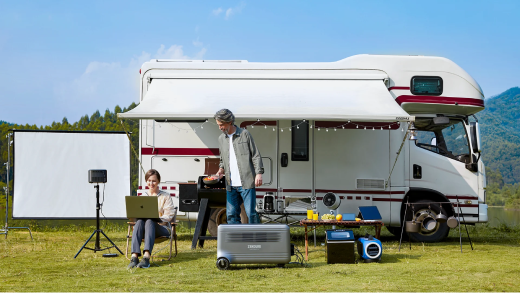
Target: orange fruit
[[339, 217]]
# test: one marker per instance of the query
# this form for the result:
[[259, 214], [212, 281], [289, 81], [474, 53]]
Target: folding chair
[[171, 238]]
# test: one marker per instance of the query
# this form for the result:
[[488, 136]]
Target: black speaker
[[97, 176], [188, 199]]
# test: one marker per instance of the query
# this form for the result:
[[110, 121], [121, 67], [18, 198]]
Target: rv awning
[[196, 99]]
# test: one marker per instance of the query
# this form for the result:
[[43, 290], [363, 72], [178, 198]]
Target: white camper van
[[368, 130]]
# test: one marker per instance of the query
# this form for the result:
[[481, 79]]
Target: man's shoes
[[145, 263], [134, 261]]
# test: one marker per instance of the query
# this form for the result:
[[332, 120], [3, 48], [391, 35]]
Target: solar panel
[[370, 213]]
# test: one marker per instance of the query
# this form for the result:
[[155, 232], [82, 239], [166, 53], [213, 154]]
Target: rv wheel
[[222, 263], [218, 216]]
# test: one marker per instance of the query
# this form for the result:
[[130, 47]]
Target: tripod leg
[[85, 243], [111, 241]]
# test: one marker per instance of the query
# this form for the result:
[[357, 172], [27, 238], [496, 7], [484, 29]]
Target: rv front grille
[[370, 184], [254, 237]]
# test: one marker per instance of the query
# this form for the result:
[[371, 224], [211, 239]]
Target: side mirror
[[441, 120], [474, 132]]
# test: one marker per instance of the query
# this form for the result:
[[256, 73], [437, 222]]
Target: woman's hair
[[224, 115], [152, 172]]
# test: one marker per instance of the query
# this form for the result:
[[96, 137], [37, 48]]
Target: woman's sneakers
[[145, 263], [134, 261]]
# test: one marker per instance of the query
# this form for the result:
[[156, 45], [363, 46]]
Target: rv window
[[426, 85], [300, 141]]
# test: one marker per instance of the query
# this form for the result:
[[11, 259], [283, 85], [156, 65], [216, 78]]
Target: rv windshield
[[449, 140]]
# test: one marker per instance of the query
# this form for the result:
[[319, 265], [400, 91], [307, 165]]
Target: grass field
[[47, 264]]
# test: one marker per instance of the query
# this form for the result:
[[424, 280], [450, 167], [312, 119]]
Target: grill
[[215, 193]]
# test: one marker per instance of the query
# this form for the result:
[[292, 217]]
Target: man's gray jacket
[[248, 157]]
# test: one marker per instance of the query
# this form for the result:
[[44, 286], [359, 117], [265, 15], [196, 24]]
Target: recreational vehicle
[[368, 130]]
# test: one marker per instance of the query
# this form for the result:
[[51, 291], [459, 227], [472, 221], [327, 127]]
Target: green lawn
[[47, 264]]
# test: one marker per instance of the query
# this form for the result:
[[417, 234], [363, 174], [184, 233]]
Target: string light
[[290, 128], [265, 126], [373, 128], [318, 129], [365, 128], [327, 129], [357, 126], [381, 128], [334, 129]]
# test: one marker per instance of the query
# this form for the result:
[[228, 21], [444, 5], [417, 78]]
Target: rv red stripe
[[358, 191], [180, 151], [387, 199], [439, 100], [462, 197], [398, 88]]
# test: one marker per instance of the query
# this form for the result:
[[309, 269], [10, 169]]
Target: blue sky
[[71, 58]]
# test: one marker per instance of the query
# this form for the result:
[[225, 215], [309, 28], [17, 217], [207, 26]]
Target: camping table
[[305, 223]]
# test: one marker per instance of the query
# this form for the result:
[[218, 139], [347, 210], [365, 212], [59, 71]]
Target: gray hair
[[225, 115]]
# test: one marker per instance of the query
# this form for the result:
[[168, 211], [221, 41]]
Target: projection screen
[[51, 174]]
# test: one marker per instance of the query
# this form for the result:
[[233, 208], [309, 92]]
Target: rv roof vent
[[370, 184]]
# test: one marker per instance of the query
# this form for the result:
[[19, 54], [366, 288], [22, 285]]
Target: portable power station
[[253, 244], [340, 246], [369, 248]]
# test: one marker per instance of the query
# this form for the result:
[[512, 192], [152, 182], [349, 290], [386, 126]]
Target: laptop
[[142, 207], [370, 213]]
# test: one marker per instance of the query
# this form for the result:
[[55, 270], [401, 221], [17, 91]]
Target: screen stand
[[6, 228], [97, 247]]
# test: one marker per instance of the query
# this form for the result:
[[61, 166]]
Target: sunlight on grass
[[47, 264]]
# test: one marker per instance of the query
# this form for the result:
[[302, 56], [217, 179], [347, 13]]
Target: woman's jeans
[[149, 230], [235, 198]]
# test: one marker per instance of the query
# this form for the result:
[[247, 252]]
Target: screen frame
[[12, 193]]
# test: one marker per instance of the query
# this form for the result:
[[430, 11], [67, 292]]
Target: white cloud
[[230, 11], [217, 11], [106, 84]]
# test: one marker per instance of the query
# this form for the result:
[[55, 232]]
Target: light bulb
[[310, 126], [265, 126], [365, 128], [281, 130], [348, 121], [201, 127], [327, 129], [252, 126], [373, 128], [303, 120], [357, 126], [318, 129], [273, 129], [334, 129], [389, 127], [381, 127], [290, 129], [343, 126], [297, 127]]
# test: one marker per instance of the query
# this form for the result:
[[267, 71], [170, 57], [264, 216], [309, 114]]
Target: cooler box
[[340, 246]]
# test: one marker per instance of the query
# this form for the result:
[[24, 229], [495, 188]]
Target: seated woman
[[149, 228]]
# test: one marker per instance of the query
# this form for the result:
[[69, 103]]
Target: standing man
[[241, 162]]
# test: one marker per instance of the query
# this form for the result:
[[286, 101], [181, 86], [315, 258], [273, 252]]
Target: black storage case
[[340, 246]]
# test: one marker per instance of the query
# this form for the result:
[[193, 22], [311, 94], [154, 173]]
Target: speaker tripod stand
[[97, 247]]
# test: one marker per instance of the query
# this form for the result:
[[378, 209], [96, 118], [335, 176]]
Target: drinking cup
[[309, 214], [315, 217]]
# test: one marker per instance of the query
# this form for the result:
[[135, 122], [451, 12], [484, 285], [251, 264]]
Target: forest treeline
[[96, 122]]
